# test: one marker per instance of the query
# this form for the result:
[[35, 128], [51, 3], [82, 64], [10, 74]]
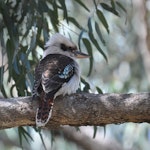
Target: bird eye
[[70, 48]]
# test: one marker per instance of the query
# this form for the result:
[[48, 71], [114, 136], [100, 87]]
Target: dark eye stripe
[[67, 48], [63, 47]]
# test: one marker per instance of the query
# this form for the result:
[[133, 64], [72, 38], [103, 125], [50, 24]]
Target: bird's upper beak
[[79, 54]]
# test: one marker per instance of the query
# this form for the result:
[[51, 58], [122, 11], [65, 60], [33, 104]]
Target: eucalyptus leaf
[[102, 19], [15, 66], [113, 4], [121, 6], [86, 85], [99, 33], [9, 23], [10, 58], [88, 46], [110, 9], [99, 90], [42, 7], [53, 13], [24, 134], [3, 91], [45, 30], [90, 25], [95, 131], [64, 8], [94, 41], [80, 37], [82, 4], [75, 22], [1, 75]]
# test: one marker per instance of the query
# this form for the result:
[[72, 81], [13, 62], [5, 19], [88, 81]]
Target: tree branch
[[86, 142], [79, 109]]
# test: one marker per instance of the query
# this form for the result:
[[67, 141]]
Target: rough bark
[[79, 109]]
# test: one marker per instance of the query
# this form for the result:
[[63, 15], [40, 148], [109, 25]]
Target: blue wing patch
[[67, 72]]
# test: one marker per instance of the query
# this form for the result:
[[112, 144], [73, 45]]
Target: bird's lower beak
[[79, 54]]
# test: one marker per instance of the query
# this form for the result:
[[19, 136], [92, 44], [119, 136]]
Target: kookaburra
[[56, 74]]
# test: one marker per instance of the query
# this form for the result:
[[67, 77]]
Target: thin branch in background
[[85, 142]]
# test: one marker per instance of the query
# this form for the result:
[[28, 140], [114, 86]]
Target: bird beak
[[79, 54]]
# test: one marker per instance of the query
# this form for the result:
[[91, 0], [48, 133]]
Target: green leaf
[[82, 4], [54, 16], [38, 130], [113, 4], [80, 37], [1, 75], [33, 42], [99, 90], [52, 137], [95, 4], [45, 31], [77, 129], [89, 49], [9, 23], [102, 19], [10, 58], [3, 91], [25, 61], [15, 66], [62, 2], [95, 131], [20, 137], [110, 9], [40, 134], [121, 6], [94, 41], [87, 85], [54, 19], [42, 7], [74, 21], [104, 131], [99, 33], [90, 25], [24, 134], [11, 89]]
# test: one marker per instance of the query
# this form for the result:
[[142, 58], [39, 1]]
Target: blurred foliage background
[[116, 35]]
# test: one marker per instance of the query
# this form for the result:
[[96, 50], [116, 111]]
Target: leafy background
[[107, 30]]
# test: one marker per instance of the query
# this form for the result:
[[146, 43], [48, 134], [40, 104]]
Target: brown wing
[[51, 73]]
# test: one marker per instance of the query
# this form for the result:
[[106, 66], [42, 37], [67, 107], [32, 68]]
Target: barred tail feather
[[44, 113]]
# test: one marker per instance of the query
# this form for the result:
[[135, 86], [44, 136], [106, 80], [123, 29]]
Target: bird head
[[58, 44]]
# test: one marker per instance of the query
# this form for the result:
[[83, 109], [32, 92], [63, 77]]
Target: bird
[[57, 73]]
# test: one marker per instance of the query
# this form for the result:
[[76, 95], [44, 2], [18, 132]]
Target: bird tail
[[44, 112]]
